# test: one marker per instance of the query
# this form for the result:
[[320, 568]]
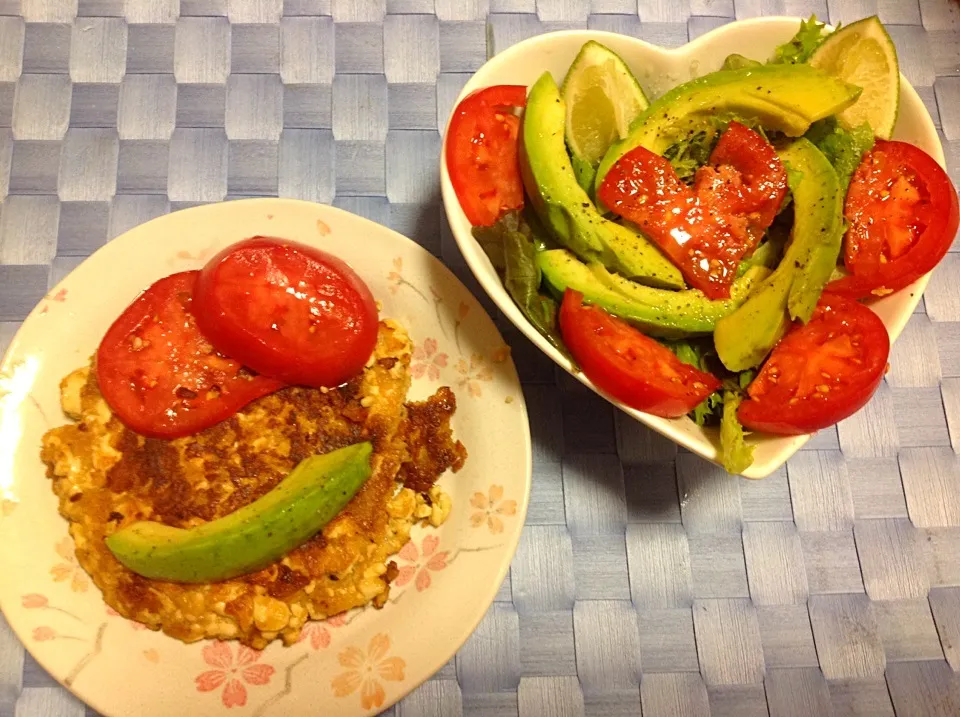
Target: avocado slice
[[818, 199], [744, 338], [564, 206], [656, 311], [251, 538], [787, 98]]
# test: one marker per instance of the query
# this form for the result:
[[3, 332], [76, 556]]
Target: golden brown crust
[[430, 441], [107, 477]]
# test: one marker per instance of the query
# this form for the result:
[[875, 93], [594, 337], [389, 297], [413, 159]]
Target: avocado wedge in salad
[[759, 184], [745, 337], [656, 311], [563, 205], [782, 98]]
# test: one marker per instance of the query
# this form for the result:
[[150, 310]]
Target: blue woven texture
[[646, 581]]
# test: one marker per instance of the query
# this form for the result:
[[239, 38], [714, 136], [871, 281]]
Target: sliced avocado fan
[[785, 98], [657, 312], [744, 338], [563, 205]]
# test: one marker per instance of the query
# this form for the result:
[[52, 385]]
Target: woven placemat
[[646, 580]]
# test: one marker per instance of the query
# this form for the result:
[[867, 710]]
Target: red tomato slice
[[903, 215], [705, 231], [745, 178], [482, 153], [288, 311], [160, 376], [644, 188], [629, 366], [819, 373]]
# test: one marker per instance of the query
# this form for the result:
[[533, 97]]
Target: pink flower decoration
[[232, 671], [337, 620], [69, 569], [318, 632], [364, 670], [491, 509], [472, 373], [427, 361], [44, 633], [424, 561], [34, 600]]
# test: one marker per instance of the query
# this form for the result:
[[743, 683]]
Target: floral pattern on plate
[[371, 657]]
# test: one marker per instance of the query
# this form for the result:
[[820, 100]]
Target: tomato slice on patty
[[483, 150], [903, 214], [820, 372], [631, 367], [288, 311], [158, 373]]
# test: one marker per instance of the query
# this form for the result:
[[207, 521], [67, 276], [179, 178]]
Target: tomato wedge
[[707, 230], [903, 215], [629, 366], [158, 373], [482, 153], [288, 311], [745, 178], [819, 373]]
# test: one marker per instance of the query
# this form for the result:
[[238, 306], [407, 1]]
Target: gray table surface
[[645, 579]]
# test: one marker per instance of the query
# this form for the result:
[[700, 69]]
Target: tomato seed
[[185, 393]]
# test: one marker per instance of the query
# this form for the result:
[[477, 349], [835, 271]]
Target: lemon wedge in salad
[[864, 55], [602, 98]]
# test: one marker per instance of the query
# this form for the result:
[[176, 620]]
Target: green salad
[[708, 253]]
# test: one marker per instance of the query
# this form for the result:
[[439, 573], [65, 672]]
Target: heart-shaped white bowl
[[659, 69]]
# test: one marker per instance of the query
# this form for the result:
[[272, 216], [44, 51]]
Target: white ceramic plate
[[451, 574], [658, 70]]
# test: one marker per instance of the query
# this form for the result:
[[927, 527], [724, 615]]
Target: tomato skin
[[903, 214], [644, 188], [754, 185], [629, 366], [819, 373], [288, 311], [706, 230], [157, 372], [483, 153]]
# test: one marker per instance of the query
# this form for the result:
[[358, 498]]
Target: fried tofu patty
[[107, 477]]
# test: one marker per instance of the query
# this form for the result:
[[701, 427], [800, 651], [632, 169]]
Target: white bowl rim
[[480, 266]]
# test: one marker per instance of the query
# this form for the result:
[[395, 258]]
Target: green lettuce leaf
[[801, 46], [698, 353], [843, 148], [720, 406], [512, 248], [735, 454], [706, 412], [688, 155]]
